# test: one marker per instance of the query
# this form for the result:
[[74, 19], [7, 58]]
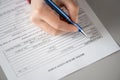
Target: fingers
[[72, 8], [48, 15], [46, 27], [44, 17]]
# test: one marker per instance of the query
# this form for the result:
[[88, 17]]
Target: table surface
[[108, 68]]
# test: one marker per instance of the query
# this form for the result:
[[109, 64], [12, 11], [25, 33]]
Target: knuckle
[[76, 8], [33, 19], [58, 26], [55, 33], [38, 12]]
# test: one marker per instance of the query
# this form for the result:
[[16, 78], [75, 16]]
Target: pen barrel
[[58, 10], [62, 14], [77, 26]]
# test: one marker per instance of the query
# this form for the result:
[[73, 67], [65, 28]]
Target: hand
[[44, 17]]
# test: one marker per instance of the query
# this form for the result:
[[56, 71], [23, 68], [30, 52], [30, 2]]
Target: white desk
[[108, 68]]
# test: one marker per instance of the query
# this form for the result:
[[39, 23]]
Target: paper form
[[28, 53]]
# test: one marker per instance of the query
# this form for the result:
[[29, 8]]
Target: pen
[[64, 15]]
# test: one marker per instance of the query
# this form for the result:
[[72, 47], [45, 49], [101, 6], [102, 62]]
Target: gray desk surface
[[108, 68]]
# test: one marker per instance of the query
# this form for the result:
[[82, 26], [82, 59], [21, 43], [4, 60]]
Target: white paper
[[28, 53]]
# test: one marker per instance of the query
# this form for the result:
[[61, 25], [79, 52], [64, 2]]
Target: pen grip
[[58, 10]]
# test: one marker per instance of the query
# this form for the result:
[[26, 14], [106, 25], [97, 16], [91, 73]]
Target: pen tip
[[83, 32]]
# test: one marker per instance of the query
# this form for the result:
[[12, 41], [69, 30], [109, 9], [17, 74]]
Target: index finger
[[49, 16]]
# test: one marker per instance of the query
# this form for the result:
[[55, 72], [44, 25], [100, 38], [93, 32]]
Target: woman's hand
[[44, 17]]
